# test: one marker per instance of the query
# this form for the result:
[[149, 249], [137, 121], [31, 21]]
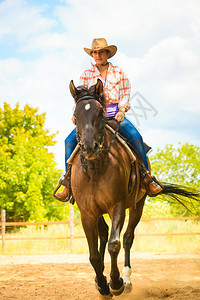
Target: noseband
[[101, 146]]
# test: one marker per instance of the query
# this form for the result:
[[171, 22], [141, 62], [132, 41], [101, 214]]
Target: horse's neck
[[101, 163]]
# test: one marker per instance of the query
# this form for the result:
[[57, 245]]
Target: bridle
[[101, 146]]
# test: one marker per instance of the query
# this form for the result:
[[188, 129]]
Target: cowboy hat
[[101, 44]]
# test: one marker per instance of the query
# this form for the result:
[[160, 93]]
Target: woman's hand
[[73, 120], [119, 116]]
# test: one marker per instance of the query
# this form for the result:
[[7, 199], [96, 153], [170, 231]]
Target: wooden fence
[[71, 223]]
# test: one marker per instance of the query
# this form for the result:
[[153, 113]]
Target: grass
[[144, 243], [177, 243]]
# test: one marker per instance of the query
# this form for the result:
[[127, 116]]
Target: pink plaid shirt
[[117, 88]]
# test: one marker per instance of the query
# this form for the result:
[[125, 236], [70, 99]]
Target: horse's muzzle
[[91, 151]]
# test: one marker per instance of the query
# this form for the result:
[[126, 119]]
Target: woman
[[117, 89]]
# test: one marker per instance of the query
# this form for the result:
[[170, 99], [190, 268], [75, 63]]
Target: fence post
[[137, 239], [3, 229], [71, 215]]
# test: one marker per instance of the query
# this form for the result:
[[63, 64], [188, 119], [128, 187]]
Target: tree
[[180, 165], [28, 172]]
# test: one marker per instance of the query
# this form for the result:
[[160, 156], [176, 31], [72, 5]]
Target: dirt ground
[[70, 277]]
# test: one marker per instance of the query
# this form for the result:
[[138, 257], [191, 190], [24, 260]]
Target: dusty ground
[[70, 277]]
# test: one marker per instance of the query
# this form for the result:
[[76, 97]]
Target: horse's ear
[[99, 88], [73, 90]]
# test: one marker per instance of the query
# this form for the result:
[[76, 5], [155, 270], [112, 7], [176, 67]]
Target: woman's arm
[[124, 92], [124, 96]]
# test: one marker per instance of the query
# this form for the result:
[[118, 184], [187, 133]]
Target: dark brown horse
[[100, 182]]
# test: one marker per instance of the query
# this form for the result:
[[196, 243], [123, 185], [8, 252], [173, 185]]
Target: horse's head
[[89, 115]]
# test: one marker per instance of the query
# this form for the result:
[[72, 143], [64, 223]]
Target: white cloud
[[134, 22], [43, 82], [168, 72], [11, 66], [22, 20]]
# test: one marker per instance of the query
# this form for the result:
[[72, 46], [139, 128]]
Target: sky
[[41, 50]]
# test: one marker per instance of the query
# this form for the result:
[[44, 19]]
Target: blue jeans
[[127, 129], [70, 144]]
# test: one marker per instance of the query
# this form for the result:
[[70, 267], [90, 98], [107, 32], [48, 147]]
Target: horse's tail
[[180, 194]]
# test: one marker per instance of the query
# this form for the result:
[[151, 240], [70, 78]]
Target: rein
[[101, 146], [114, 136]]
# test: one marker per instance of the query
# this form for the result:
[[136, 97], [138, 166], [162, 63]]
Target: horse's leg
[[90, 226], [117, 217], [134, 218], [103, 235]]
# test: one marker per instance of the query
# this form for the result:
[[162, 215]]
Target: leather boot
[[148, 184], [63, 195], [66, 194], [154, 189]]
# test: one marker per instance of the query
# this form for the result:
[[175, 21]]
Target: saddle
[[113, 124]]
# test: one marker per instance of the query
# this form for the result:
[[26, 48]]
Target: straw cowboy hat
[[100, 44]]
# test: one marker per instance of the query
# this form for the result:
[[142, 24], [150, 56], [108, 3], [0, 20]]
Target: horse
[[100, 184]]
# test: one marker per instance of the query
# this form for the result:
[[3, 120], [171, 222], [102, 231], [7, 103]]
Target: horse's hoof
[[105, 293], [128, 288], [127, 279], [119, 291], [104, 297]]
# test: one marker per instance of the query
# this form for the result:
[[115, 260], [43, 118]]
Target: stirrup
[[157, 181], [55, 191], [148, 180], [71, 199]]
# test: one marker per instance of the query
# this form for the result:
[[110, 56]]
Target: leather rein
[[101, 147]]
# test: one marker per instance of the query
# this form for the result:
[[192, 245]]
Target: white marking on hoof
[[127, 280], [87, 106], [128, 288], [127, 275]]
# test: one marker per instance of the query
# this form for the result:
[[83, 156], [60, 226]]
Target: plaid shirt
[[117, 88]]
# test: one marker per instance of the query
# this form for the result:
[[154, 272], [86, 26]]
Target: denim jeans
[[127, 129], [70, 144]]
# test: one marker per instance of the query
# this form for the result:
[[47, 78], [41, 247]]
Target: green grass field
[[143, 243]]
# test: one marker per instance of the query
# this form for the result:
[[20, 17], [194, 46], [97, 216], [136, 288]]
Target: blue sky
[[41, 50]]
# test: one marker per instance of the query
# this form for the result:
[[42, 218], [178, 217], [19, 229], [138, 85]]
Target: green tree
[[28, 172], [179, 165]]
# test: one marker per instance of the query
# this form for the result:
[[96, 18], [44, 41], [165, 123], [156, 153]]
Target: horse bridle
[[101, 145]]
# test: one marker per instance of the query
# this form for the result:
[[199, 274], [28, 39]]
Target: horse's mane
[[85, 91]]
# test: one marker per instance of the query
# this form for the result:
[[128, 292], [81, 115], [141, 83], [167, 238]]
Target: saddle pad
[[130, 153], [71, 158]]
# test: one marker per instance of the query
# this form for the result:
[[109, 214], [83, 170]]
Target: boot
[[66, 194], [148, 184], [63, 195], [154, 189]]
